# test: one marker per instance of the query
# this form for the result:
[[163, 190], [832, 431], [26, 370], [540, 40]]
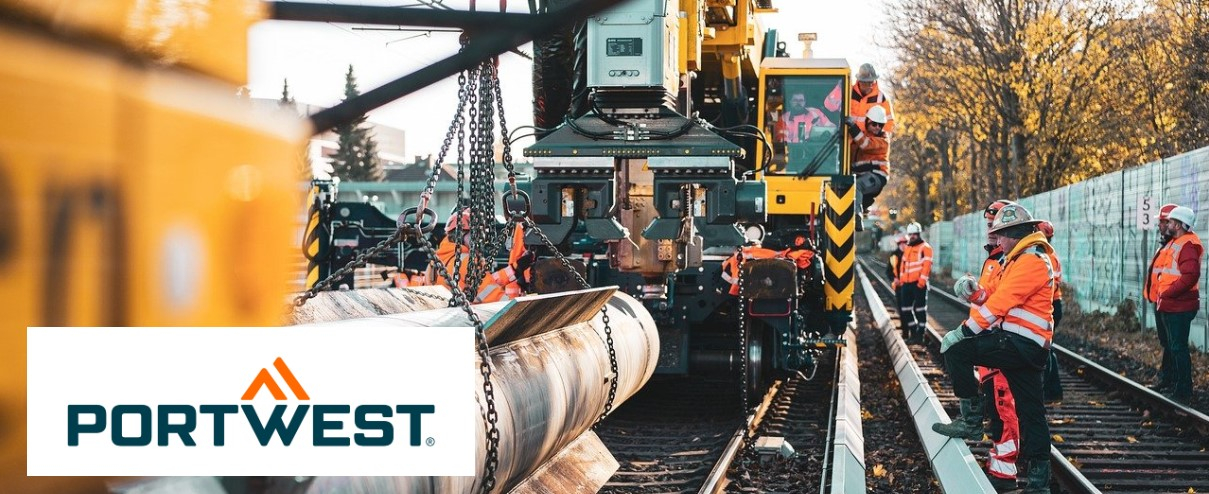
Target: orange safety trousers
[[1001, 461]]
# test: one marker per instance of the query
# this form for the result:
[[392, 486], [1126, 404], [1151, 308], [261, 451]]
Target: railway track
[[1109, 434], [802, 413], [684, 435], [671, 435]]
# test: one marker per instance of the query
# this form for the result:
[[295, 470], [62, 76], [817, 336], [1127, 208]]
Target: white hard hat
[[1183, 214], [877, 114], [914, 228], [1012, 215]]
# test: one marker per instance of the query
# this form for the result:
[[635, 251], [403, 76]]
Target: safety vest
[[797, 128], [872, 153], [859, 105], [916, 263], [1165, 269], [1053, 259], [404, 280], [730, 267], [800, 257], [1023, 298], [491, 288]]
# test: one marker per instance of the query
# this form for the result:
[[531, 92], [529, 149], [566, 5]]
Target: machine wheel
[[756, 361]]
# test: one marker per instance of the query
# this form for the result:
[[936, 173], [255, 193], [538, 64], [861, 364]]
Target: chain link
[[424, 294], [604, 316], [743, 350], [361, 260]]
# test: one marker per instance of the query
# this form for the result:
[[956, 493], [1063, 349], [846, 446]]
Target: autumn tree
[[356, 156], [1011, 98]]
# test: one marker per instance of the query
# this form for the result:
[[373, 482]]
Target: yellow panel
[[131, 197], [210, 36], [840, 228], [799, 195]]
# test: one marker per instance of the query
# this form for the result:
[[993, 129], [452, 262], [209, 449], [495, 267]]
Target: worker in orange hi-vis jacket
[[915, 267], [866, 95], [493, 286], [1160, 276], [1010, 331], [872, 161], [1003, 428]]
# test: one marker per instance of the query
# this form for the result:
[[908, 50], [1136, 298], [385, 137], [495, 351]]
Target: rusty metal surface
[[550, 389], [532, 315], [582, 467], [522, 317], [549, 276], [341, 305]]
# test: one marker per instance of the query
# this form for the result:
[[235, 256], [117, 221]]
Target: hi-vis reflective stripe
[[1033, 319], [1003, 468], [1006, 448], [486, 292], [1049, 268], [728, 278], [1012, 327], [986, 314]]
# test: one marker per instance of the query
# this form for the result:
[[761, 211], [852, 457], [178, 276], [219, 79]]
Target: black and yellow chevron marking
[[840, 224], [311, 239]]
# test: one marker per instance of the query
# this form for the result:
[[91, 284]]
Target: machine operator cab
[[802, 104], [810, 186]]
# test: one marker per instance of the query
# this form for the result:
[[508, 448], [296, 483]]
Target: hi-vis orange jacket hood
[[1022, 300]]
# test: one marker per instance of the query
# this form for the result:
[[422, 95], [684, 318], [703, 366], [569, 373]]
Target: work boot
[[1038, 477], [968, 425]]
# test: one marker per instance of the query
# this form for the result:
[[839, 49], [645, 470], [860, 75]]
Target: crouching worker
[[504, 284], [1010, 331]]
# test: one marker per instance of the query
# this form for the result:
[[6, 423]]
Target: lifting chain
[[604, 317], [458, 297], [743, 350], [531, 226], [361, 260]]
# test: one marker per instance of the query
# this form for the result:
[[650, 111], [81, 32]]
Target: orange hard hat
[[989, 212]]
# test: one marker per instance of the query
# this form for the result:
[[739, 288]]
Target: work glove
[[953, 336], [853, 128], [967, 287], [522, 268]]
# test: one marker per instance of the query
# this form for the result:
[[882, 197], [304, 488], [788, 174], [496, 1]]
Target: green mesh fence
[[1100, 236]]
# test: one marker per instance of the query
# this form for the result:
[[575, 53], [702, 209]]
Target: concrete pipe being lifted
[[551, 372]]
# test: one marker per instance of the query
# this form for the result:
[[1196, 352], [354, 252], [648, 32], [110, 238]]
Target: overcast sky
[[315, 56]]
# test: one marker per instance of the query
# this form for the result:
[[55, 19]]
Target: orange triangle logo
[[265, 380]]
